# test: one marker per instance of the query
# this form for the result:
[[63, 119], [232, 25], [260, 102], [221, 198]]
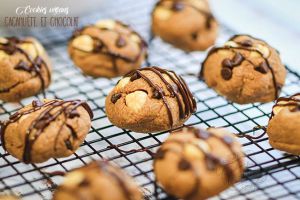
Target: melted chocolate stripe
[[104, 166], [187, 97], [171, 90], [159, 90], [291, 101], [229, 171]]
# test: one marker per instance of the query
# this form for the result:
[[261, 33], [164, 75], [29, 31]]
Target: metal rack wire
[[270, 174]]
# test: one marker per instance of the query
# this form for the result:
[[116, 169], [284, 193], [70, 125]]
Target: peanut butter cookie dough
[[186, 24], [150, 99], [96, 181], [197, 164], [48, 129], [25, 69], [107, 49], [8, 197], [244, 70], [284, 125]]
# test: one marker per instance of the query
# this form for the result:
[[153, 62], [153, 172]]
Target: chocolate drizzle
[[101, 47], [212, 161], [35, 64], [48, 115], [106, 168], [293, 102], [115, 97], [229, 64], [179, 5], [187, 105]]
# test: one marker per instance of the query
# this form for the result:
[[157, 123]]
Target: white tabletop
[[276, 21]]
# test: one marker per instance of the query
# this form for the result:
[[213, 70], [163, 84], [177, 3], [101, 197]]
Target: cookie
[[150, 99], [8, 197], [25, 69], [98, 180], [197, 164], [48, 129], [107, 49], [186, 24], [284, 125], [245, 70]]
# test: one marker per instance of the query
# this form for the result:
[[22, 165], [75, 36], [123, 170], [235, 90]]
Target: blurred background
[[276, 21]]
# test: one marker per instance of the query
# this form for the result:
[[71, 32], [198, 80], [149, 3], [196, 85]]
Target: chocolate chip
[[121, 42], [68, 144], [227, 63], [157, 95], [194, 35], [115, 97], [237, 59], [262, 68], [160, 154], [178, 6], [37, 103], [135, 76], [184, 164], [97, 46], [246, 43], [84, 183], [226, 73]]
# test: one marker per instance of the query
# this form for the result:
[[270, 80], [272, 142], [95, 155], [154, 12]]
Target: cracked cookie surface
[[46, 129], [284, 125], [244, 70], [25, 69], [186, 24], [107, 48], [96, 181], [150, 99], [197, 164]]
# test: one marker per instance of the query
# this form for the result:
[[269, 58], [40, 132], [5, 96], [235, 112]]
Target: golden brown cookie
[[25, 69], [284, 125], [48, 129], [107, 49], [150, 99], [99, 180], [186, 24], [8, 197], [197, 164], [244, 70]]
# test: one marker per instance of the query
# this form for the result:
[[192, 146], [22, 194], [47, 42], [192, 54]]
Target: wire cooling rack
[[270, 174]]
